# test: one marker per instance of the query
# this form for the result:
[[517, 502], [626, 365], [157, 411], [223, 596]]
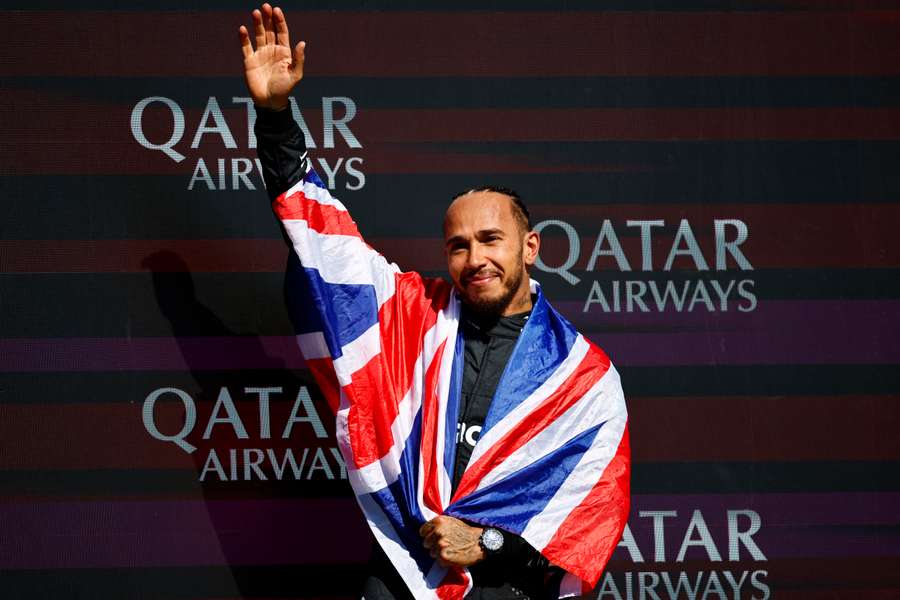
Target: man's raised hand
[[273, 69]]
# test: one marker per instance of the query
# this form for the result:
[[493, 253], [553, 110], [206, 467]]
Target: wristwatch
[[491, 541]]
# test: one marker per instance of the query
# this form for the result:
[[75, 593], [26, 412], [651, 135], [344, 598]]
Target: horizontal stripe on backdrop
[[232, 304], [647, 478], [495, 92], [97, 387], [310, 581], [108, 534], [112, 436], [82, 141], [481, 5], [778, 235], [782, 173], [556, 43], [180, 533], [791, 579], [795, 333]]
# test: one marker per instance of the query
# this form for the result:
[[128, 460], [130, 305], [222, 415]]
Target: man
[[485, 439]]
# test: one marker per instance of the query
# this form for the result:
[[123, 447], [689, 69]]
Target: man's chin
[[486, 305]]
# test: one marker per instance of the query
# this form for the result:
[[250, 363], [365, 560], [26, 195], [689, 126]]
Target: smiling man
[[489, 244], [485, 439]]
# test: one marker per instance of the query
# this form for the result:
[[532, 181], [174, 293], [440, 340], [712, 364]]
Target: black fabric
[[281, 148], [489, 342], [519, 571]]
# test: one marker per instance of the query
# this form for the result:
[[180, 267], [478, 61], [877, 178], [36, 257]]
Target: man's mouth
[[480, 279]]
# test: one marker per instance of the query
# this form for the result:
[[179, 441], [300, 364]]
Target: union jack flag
[[552, 463]]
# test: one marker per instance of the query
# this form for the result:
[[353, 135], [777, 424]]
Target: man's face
[[487, 252]]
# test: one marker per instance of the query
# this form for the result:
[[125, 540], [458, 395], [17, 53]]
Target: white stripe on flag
[[380, 474], [390, 542], [563, 371], [446, 330], [598, 404], [448, 320], [342, 259], [357, 354], [608, 394]]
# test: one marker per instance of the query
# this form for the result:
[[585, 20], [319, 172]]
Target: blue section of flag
[[313, 178], [399, 500], [452, 416], [342, 312], [543, 345], [514, 500]]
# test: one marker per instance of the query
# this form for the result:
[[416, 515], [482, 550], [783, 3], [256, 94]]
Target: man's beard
[[495, 307]]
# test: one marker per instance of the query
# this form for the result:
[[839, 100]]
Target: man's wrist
[[273, 120]]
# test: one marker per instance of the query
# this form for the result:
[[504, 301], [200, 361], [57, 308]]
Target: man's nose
[[476, 258]]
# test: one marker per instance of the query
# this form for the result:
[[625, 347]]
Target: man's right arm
[[281, 148], [351, 308]]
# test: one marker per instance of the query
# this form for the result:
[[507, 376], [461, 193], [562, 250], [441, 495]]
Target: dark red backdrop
[[140, 296]]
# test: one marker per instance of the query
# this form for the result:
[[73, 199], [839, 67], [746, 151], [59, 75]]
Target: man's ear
[[531, 244]]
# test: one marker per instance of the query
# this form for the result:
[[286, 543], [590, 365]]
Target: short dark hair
[[520, 211]]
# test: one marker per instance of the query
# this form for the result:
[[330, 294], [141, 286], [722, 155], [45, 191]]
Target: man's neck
[[521, 304]]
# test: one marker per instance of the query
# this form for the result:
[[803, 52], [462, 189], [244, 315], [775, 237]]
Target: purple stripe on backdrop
[[803, 315], [778, 332], [319, 531], [180, 533], [150, 354]]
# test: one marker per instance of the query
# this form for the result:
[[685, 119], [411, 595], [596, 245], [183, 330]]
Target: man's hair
[[520, 211]]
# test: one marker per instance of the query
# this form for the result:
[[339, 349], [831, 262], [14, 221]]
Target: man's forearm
[[281, 148]]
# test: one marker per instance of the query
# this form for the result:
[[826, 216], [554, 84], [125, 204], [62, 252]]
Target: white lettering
[[137, 127]]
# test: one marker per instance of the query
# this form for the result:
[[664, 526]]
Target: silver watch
[[491, 540]]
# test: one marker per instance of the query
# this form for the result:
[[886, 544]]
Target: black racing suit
[[518, 571]]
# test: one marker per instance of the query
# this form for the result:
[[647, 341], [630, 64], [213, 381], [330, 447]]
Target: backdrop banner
[[717, 191]]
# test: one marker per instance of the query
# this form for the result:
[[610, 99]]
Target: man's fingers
[[267, 23], [426, 528], [282, 36], [299, 58], [259, 32], [246, 47], [430, 540]]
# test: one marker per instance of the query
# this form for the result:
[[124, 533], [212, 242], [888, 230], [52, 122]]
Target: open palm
[[273, 69]]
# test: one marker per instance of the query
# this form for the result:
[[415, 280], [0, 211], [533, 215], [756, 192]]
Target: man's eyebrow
[[481, 233], [486, 232]]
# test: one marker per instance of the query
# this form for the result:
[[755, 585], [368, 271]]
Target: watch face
[[492, 539]]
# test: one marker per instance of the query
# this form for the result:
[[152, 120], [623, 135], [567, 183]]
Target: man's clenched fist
[[452, 542]]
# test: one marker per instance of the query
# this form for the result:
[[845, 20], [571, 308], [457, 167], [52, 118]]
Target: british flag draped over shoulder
[[552, 463]]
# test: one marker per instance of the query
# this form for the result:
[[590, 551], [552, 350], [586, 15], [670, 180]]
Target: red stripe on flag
[[322, 218], [373, 408], [322, 370], [431, 423], [454, 585], [589, 371], [586, 539], [377, 388]]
